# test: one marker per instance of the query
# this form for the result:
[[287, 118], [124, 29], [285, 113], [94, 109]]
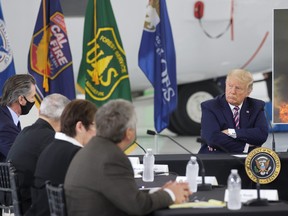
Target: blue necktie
[[19, 125]]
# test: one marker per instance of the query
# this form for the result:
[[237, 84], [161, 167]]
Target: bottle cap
[[149, 150], [193, 158]]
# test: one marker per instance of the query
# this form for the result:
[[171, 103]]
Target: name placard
[[248, 194]]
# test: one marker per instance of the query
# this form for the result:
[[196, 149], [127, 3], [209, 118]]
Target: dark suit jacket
[[52, 165], [100, 181], [8, 132], [217, 116], [24, 154]]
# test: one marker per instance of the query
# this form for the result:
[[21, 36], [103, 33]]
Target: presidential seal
[[264, 164]]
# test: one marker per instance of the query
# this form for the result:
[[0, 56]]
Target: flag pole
[[45, 74]]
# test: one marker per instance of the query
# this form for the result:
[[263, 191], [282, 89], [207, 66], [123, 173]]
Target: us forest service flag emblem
[[103, 73]]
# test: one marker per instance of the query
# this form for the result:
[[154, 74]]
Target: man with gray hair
[[32, 140], [100, 178], [233, 122], [17, 99]]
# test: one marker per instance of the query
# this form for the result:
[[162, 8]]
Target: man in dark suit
[[17, 99], [100, 178], [32, 140], [77, 128], [233, 122]]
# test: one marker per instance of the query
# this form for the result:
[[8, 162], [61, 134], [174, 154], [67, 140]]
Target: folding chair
[[56, 199], [9, 190]]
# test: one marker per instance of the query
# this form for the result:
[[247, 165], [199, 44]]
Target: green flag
[[103, 73]]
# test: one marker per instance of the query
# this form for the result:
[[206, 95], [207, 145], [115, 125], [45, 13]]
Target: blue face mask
[[26, 108]]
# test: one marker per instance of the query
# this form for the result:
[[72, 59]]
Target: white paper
[[208, 179], [158, 168], [134, 160], [240, 155], [248, 194]]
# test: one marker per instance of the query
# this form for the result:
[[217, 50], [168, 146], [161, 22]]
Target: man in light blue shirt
[[17, 99]]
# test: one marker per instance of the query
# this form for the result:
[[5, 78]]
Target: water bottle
[[192, 170], [148, 162], [234, 188]]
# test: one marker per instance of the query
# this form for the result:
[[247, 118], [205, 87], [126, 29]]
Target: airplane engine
[[186, 119]]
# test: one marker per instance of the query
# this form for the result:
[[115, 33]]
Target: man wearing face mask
[[32, 140], [17, 99]]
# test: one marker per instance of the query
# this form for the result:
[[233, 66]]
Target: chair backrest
[[5, 188], [15, 190], [10, 198], [56, 199]]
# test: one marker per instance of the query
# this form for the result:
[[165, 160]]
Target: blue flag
[[50, 60], [157, 60], [7, 68]]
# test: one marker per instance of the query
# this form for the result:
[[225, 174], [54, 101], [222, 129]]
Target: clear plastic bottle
[[192, 170], [148, 164], [234, 189]]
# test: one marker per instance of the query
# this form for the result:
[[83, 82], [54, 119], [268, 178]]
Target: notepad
[[212, 203]]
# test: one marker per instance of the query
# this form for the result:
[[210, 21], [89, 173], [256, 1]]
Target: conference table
[[277, 209], [219, 166], [274, 208]]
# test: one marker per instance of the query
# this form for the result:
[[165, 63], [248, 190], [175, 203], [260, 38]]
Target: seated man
[[77, 128], [17, 99], [32, 140], [100, 178], [233, 122]]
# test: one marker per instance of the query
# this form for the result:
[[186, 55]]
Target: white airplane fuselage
[[230, 34], [247, 43]]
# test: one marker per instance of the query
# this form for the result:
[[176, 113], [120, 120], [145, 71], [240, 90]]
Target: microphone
[[253, 202], [137, 145], [258, 201], [140, 146], [201, 187], [272, 130]]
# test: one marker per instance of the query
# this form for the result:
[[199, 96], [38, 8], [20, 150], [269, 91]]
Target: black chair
[[56, 199], [9, 190]]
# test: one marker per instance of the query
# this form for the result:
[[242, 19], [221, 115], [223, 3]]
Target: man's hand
[[181, 191], [211, 149]]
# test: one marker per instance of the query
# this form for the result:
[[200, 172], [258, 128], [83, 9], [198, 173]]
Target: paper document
[[158, 168], [134, 160], [202, 204], [248, 194], [240, 155], [208, 179]]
